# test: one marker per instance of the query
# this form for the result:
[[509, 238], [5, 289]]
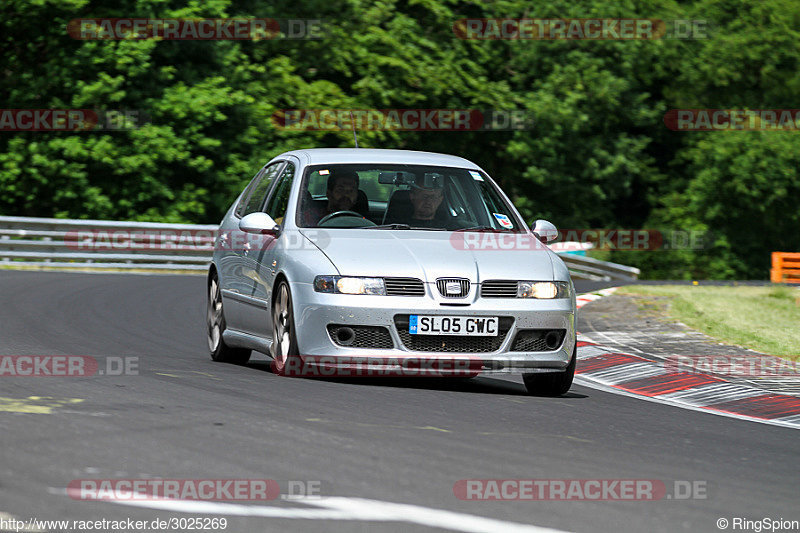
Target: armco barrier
[[582, 267], [785, 267], [108, 244], [63, 243]]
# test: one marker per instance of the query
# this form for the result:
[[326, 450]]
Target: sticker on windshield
[[503, 220], [324, 172], [476, 175]]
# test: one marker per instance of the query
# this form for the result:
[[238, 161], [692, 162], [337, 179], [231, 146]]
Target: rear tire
[[284, 349], [552, 383], [215, 322]]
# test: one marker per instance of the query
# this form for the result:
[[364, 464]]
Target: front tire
[[552, 383], [215, 322], [284, 340]]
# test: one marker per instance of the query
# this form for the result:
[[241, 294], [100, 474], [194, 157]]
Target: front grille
[[499, 288], [533, 340], [463, 287], [404, 287], [452, 343], [364, 336]]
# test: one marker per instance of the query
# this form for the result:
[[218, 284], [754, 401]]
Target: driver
[[342, 192]]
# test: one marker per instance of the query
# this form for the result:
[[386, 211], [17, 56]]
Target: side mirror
[[259, 223], [545, 231]]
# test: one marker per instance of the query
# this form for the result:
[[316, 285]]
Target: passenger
[[426, 202]]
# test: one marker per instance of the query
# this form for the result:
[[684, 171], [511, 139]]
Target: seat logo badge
[[453, 287]]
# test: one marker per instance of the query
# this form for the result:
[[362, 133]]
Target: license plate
[[470, 326]]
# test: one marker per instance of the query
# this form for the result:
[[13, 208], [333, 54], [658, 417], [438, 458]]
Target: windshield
[[402, 197]]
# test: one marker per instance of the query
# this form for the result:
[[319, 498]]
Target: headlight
[[543, 289], [349, 285]]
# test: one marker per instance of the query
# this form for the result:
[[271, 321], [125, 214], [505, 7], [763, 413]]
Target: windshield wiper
[[483, 228], [388, 226], [403, 226]]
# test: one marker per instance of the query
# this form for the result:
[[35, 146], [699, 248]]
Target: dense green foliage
[[598, 156]]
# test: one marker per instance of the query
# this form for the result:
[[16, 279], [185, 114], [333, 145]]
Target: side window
[[260, 189], [279, 201], [243, 201]]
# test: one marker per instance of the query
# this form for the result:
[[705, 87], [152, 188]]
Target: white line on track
[[345, 508]]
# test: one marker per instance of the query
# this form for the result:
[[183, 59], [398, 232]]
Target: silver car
[[346, 262]]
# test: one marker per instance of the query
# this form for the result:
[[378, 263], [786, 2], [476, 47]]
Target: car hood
[[429, 255]]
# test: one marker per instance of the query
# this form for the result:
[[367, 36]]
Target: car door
[[273, 245], [239, 265]]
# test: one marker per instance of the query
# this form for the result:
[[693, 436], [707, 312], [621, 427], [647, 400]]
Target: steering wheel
[[338, 214]]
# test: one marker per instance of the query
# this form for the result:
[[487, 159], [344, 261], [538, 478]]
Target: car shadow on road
[[475, 385]]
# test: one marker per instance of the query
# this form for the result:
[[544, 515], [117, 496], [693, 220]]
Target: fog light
[[345, 336], [552, 340]]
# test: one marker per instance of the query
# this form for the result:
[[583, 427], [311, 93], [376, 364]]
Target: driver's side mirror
[[259, 223], [545, 231]]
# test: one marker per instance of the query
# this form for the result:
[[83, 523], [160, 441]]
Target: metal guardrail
[[582, 267], [104, 244], [107, 244]]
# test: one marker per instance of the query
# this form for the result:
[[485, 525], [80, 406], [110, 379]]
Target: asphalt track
[[399, 442]]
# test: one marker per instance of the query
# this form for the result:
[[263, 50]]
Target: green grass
[[766, 319]]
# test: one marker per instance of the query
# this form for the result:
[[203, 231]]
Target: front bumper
[[314, 312]]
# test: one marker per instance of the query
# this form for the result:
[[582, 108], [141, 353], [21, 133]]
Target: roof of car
[[321, 156]]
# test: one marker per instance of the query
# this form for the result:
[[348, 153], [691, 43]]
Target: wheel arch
[[212, 269], [281, 276]]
